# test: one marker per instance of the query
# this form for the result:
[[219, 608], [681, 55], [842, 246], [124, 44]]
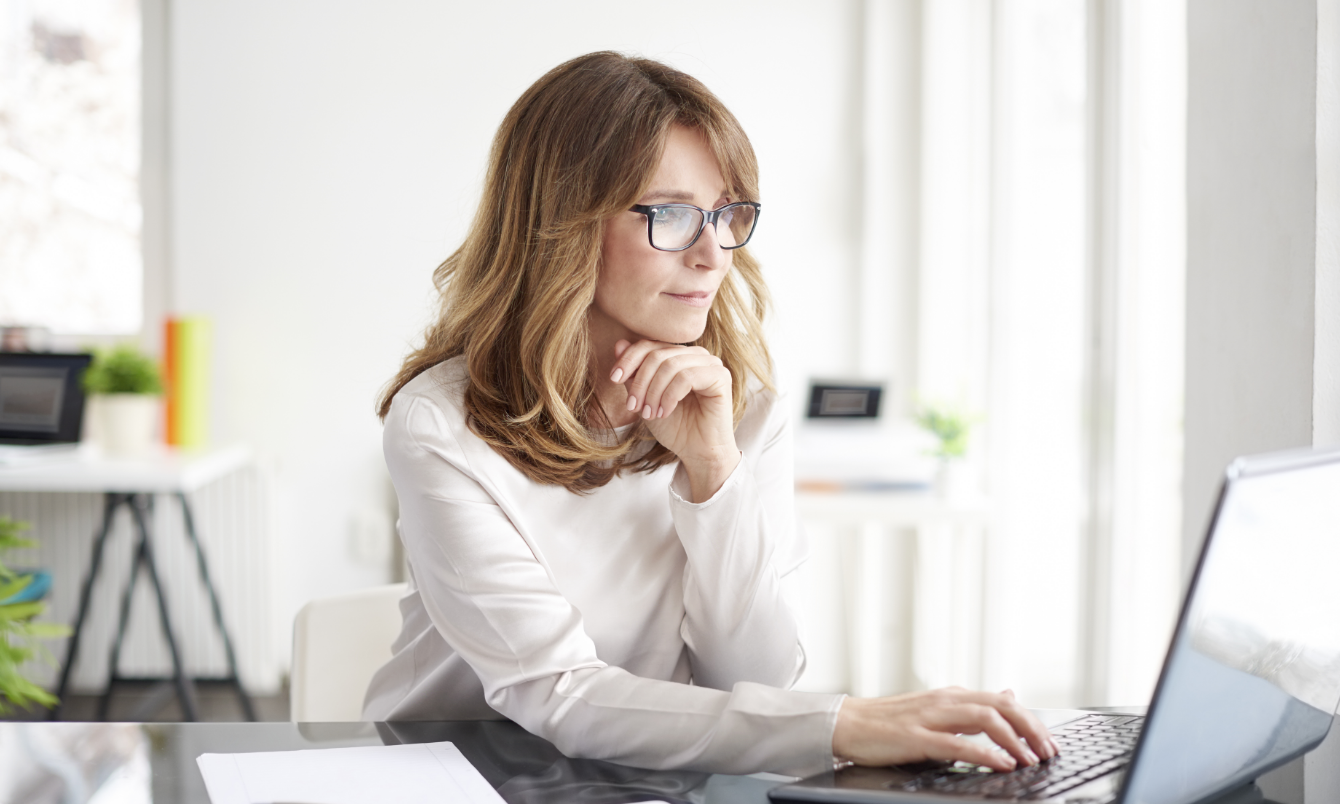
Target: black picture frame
[[69, 421], [844, 400]]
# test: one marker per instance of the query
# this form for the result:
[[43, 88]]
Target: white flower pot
[[954, 479], [127, 423]]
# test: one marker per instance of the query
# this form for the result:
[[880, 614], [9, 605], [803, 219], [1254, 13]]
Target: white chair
[[338, 643]]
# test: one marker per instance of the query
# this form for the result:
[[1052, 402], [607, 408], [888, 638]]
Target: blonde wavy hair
[[580, 146]]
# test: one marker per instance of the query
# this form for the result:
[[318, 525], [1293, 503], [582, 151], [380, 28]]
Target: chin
[[687, 332]]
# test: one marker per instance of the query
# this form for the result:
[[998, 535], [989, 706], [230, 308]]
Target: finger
[[677, 370], [1028, 725], [627, 356], [952, 747], [707, 381], [669, 367], [619, 372], [642, 378], [974, 718], [1025, 723], [674, 393], [629, 362]]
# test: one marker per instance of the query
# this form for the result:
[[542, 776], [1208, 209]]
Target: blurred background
[[981, 207]]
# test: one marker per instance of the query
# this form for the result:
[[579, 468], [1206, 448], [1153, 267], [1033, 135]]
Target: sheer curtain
[[1048, 282]]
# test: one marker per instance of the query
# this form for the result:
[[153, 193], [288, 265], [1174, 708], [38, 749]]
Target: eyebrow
[[668, 195]]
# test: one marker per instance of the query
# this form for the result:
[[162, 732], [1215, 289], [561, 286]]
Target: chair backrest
[[338, 643]]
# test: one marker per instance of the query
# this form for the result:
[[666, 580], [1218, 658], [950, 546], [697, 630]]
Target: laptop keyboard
[[1091, 746]]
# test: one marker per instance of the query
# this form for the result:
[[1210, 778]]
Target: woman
[[597, 516]]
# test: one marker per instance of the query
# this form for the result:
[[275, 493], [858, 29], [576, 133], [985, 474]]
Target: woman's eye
[[672, 217]]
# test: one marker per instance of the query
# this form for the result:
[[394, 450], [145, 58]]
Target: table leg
[[178, 671], [234, 678], [114, 661], [111, 502]]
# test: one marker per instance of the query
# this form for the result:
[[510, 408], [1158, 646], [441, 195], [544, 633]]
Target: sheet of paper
[[427, 773]]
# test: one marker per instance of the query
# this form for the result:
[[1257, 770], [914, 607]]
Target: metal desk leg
[[111, 502], [233, 676], [178, 671], [114, 661]]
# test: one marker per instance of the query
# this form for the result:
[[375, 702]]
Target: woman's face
[[664, 295]]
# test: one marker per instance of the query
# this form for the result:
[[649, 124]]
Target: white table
[[878, 515], [133, 483]]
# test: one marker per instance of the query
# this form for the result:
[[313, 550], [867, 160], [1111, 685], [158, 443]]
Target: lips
[[697, 298]]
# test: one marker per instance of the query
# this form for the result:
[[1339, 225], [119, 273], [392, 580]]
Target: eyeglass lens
[[674, 227]]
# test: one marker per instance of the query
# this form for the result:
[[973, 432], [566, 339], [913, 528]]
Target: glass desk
[[138, 763], [155, 762]]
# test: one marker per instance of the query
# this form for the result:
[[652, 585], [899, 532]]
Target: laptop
[[41, 404], [1251, 680]]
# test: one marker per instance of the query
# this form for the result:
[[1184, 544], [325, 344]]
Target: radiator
[[232, 519]]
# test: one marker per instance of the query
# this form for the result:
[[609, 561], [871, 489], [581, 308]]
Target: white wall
[[1326, 387], [1263, 261], [1251, 247], [326, 156]]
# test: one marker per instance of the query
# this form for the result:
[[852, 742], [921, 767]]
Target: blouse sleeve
[[740, 544], [495, 603]]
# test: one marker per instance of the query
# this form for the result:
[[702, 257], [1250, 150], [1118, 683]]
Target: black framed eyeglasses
[[675, 227]]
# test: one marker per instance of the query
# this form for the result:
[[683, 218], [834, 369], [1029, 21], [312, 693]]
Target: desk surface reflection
[[60, 762]]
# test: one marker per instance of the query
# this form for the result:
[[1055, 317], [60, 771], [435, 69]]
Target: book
[[187, 369]]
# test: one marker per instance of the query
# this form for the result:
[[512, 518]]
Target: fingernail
[[1032, 757], [660, 413], [617, 375], [1055, 747], [632, 403], [1011, 761], [646, 411]]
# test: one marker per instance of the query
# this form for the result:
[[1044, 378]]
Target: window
[[70, 256]]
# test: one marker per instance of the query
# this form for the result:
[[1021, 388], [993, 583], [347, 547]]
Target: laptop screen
[[41, 400], [1253, 678]]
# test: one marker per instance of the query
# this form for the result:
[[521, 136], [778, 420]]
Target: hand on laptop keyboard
[[928, 726]]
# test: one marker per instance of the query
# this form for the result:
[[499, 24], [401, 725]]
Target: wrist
[[707, 474], [846, 729]]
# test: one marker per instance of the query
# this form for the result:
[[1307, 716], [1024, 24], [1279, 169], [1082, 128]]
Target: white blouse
[[627, 624]]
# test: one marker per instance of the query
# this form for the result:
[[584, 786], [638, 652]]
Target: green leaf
[[122, 370], [47, 630], [950, 427], [10, 526], [9, 589], [21, 611], [18, 632], [21, 692]]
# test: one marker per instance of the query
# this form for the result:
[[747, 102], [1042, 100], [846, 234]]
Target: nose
[[707, 253]]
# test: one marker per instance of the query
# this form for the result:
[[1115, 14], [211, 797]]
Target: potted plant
[[950, 428], [20, 603], [127, 385]]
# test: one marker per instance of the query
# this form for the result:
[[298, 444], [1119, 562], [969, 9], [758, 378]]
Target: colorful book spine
[[169, 383], [187, 358]]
